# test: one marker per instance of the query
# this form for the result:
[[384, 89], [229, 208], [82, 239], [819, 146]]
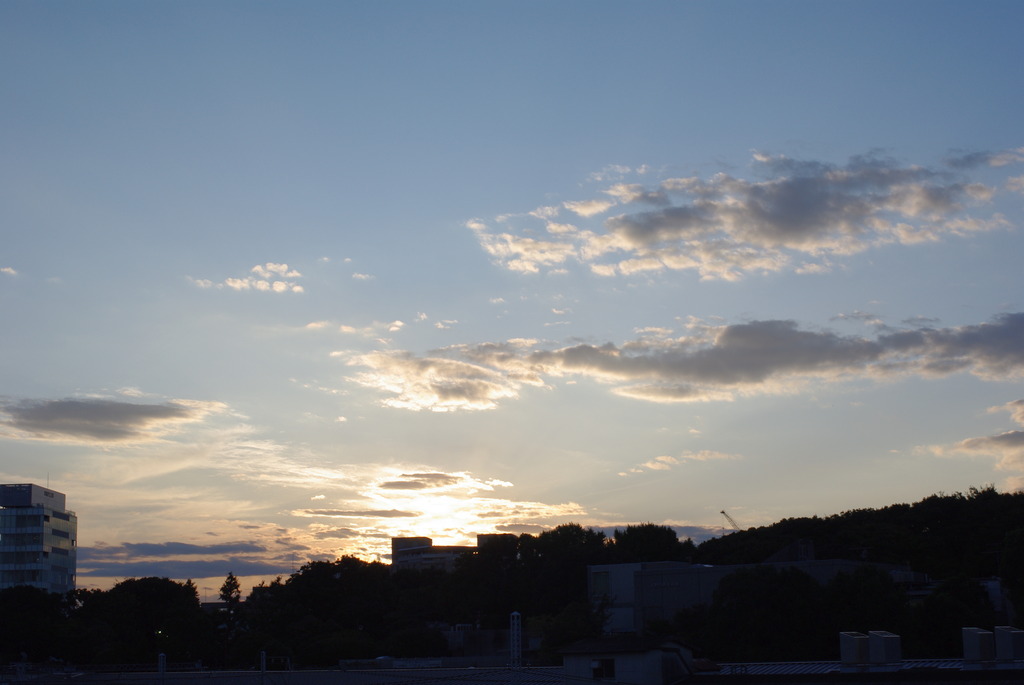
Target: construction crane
[[732, 523]]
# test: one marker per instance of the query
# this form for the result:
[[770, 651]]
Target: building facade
[[421, 554], [635, 595], [628, 659], [38, 538]]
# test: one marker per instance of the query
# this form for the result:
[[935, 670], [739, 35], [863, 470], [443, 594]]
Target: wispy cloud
[[395, 501], [421, 481], [708, 363], [520, 253], [100, 420], [355, 513], [1006, 448], [372, 330], [433, 383], [666, 462], [792, 215], [179, 559], [269, 277], [167, 549], [371, 502]]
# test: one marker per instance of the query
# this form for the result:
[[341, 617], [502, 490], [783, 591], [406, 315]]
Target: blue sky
[[282, 280]]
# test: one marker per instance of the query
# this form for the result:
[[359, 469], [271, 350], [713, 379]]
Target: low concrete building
[[634, 595], [628, 659]]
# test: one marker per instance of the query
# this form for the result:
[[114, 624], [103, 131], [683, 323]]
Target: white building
[[38, 538]]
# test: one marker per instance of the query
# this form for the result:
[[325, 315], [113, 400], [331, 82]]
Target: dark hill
[[942, 535]]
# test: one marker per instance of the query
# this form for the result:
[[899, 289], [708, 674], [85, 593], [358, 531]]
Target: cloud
[[520, 253], [869, 319], [971, 160], [1016, 409], [588, 208], [666, 463], [436, 481], [708, 363], [355, 509], [613, 172], [269, 277], [1007, 448], [272, 270], [376, 329], [181, 560], [629, 193], [663, 463], [790, 215], [410, 501], [8, 270], [421, 481], [177, 568], [347, 513], [99, 420], [344, 509], [327, 533], [433, 383], [165, 549]]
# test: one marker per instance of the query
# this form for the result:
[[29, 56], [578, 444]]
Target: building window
[[603, 669]]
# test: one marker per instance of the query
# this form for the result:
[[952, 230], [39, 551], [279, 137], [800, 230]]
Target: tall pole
[[515, 639]]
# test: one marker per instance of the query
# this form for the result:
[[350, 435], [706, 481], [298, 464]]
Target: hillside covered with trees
[[353, 609]]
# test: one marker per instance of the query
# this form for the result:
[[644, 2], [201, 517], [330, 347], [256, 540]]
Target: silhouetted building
[[634, 595], [421, 554], [629, 659], [38, 538]]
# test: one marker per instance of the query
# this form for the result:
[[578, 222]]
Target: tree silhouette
[[139, 618], [649, 542]]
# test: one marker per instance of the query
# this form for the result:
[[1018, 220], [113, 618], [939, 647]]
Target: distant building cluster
[[421, 554], [38, 538]]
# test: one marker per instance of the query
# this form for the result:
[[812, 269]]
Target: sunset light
[[280, 281]]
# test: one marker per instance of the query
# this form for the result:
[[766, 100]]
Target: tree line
[[353, 609]]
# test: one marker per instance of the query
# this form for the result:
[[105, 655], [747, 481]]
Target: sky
[[282, 280]]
